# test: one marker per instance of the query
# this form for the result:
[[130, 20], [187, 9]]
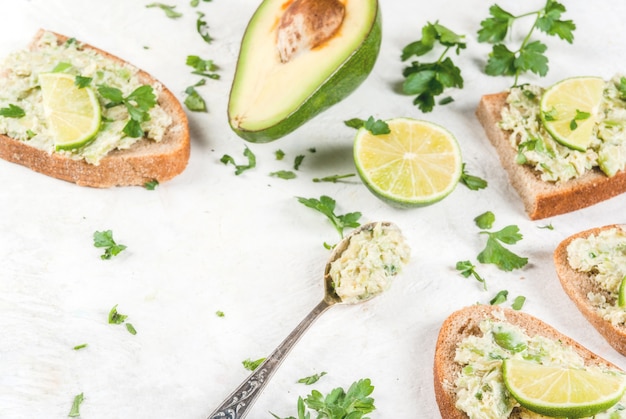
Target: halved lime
[[72, 113], [621, 297], [568, 110], [557, 391], [417, 163]]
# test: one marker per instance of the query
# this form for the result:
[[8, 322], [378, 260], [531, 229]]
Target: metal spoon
[[239, 402]]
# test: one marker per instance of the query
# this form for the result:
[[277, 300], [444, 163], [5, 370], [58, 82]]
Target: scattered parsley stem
[[326, 205]]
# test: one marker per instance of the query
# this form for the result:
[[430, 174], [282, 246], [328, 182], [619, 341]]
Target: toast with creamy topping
[[159, 155], [591, 266], [459, 352], [543, 198]]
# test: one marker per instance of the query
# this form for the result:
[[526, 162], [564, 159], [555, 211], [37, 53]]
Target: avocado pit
[[307, 24]]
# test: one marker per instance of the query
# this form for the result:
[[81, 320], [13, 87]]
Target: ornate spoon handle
[[239, 402]]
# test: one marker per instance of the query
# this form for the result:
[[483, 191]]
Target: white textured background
[[209, 240]]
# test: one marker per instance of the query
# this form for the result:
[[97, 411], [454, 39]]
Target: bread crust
[[578, 284], [145, 161], [466, 322], [543, 199]]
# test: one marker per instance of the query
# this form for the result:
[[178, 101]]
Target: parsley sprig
[[326, 205], [117, 318], [427, 80], [495, 252], [530, 56], [138, 104], [240, 168], [375, 126], [338, 404], [104, 239]]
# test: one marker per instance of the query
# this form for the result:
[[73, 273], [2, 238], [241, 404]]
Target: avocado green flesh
[[270, 99]]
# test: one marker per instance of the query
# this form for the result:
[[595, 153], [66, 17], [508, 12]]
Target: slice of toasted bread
[[145, 161], [543, 199], [464, 323], [577, 285]]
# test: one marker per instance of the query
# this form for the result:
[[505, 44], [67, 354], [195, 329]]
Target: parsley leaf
[[82, 81], [12, 111], [312, 379], [499, 298], [338, 404], [202, 67], [499, 255], [326, 205], [466, 268], [474, 183], [284, 174], [131, 329], [240, 168], [194, 102], [530, 56], [485, 220], [375, 126], [203, 28], [105, 240], [169, 10], [115, 317], [298, 161], [151, 184], [81, 346], [137, 103], [427, 80], [75, 410], [580, 116], [252, 365], [518, 303], [495, 28]]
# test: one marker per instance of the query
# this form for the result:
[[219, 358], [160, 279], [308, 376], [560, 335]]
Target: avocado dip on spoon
[[361, 266]]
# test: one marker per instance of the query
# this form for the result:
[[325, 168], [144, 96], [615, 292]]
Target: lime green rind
[[346, 79], [401, 203], [563, 411]]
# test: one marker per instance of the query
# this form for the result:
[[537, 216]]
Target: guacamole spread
[[480, 389], [19, 88], [558, 163], [603, 257], [369, 263]]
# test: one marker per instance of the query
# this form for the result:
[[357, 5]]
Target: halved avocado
[[298, 58]]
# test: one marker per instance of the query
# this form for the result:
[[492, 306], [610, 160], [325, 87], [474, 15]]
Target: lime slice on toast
[[417, 163], [568, 110], [563, 392], [73, 113]]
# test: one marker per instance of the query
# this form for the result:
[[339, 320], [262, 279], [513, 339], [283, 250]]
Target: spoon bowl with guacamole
[[361, 266]]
